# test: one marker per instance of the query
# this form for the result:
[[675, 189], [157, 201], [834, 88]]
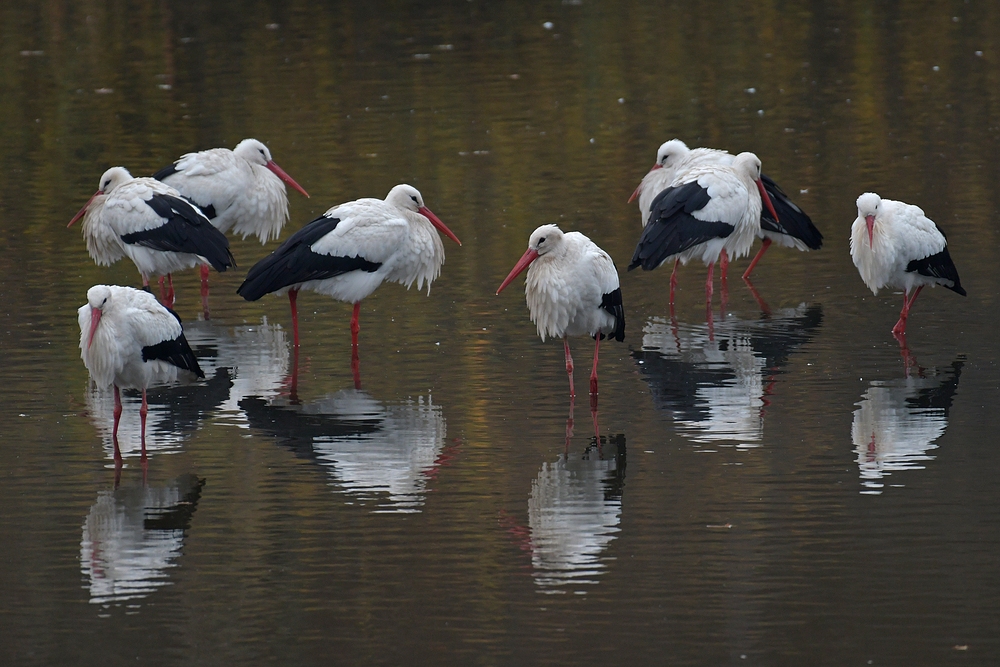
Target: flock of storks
[[697, 203]]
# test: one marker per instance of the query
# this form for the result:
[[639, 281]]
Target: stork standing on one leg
[[894, 244], [572, 289], [348, 251], [241, 190], [130, 341], [148, 221]]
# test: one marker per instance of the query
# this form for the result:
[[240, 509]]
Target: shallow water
[[774, 488]]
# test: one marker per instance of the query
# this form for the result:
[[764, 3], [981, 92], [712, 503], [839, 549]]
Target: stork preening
[[130, 341], [241, 190], [572, 290], [348, 251], [712, 210], [152, 224], [789, 227], [895, 245]]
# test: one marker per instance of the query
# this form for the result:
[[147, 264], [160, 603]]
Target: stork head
[[868, 205], [97, 298], [668, 156], [544, 240], [110, 180], [409, 198], [255, 152], [748, 164]]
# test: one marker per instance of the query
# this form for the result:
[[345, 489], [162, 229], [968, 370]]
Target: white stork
[[572, 289], [895, 245], [129, 340], [151, 223], [791, 228], [239, 189], [712, 209], [348, 251]]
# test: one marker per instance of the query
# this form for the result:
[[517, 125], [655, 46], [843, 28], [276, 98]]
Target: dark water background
[[775, 493]]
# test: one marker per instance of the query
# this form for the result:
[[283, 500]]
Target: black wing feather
[[792, 220], [166, 172], [186, 230], [940, 266], [613, 304], [176, 352], [294, 262], [672, 228]]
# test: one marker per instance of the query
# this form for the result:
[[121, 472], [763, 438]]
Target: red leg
[[593, 418], [355, 324], [708, 284], [114, 432], [163, 290], [593, 372], [569, 368], [170, 289], [292, 296], [142, 417], [204, 290], [673, 282], [356, 367], [724, 265], [756, 258], [293, 391], [569, 421], [900, 328]]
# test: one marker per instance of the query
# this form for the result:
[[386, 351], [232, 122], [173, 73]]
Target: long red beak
[[443, 228], [635, 193], [83, 210], [767, 200], [95, 318], [527, 258], [273, 166], [870, 221]]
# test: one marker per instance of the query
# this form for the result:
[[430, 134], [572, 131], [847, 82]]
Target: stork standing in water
[[348, 251], [129, 340], [790, 228], [239, 189], [711, 210], [895, 245], [160, 231], [572, 289]]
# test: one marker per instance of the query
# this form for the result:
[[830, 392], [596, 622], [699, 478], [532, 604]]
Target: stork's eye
[[413, 198], [262, 152], [541, 240]]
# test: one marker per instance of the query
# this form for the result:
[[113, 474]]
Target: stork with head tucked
[[572, 289], [895, 245], [130, 341], [790, 227], [711, 210], [152, 224], [348, 251], [241, 189]]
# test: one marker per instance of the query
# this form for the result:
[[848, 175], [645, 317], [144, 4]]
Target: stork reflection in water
[[574, 513], [898, 422], [717, 387], [380, 453], [133, 536]]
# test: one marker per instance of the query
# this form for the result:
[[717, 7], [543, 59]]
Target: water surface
[[780, 487]]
